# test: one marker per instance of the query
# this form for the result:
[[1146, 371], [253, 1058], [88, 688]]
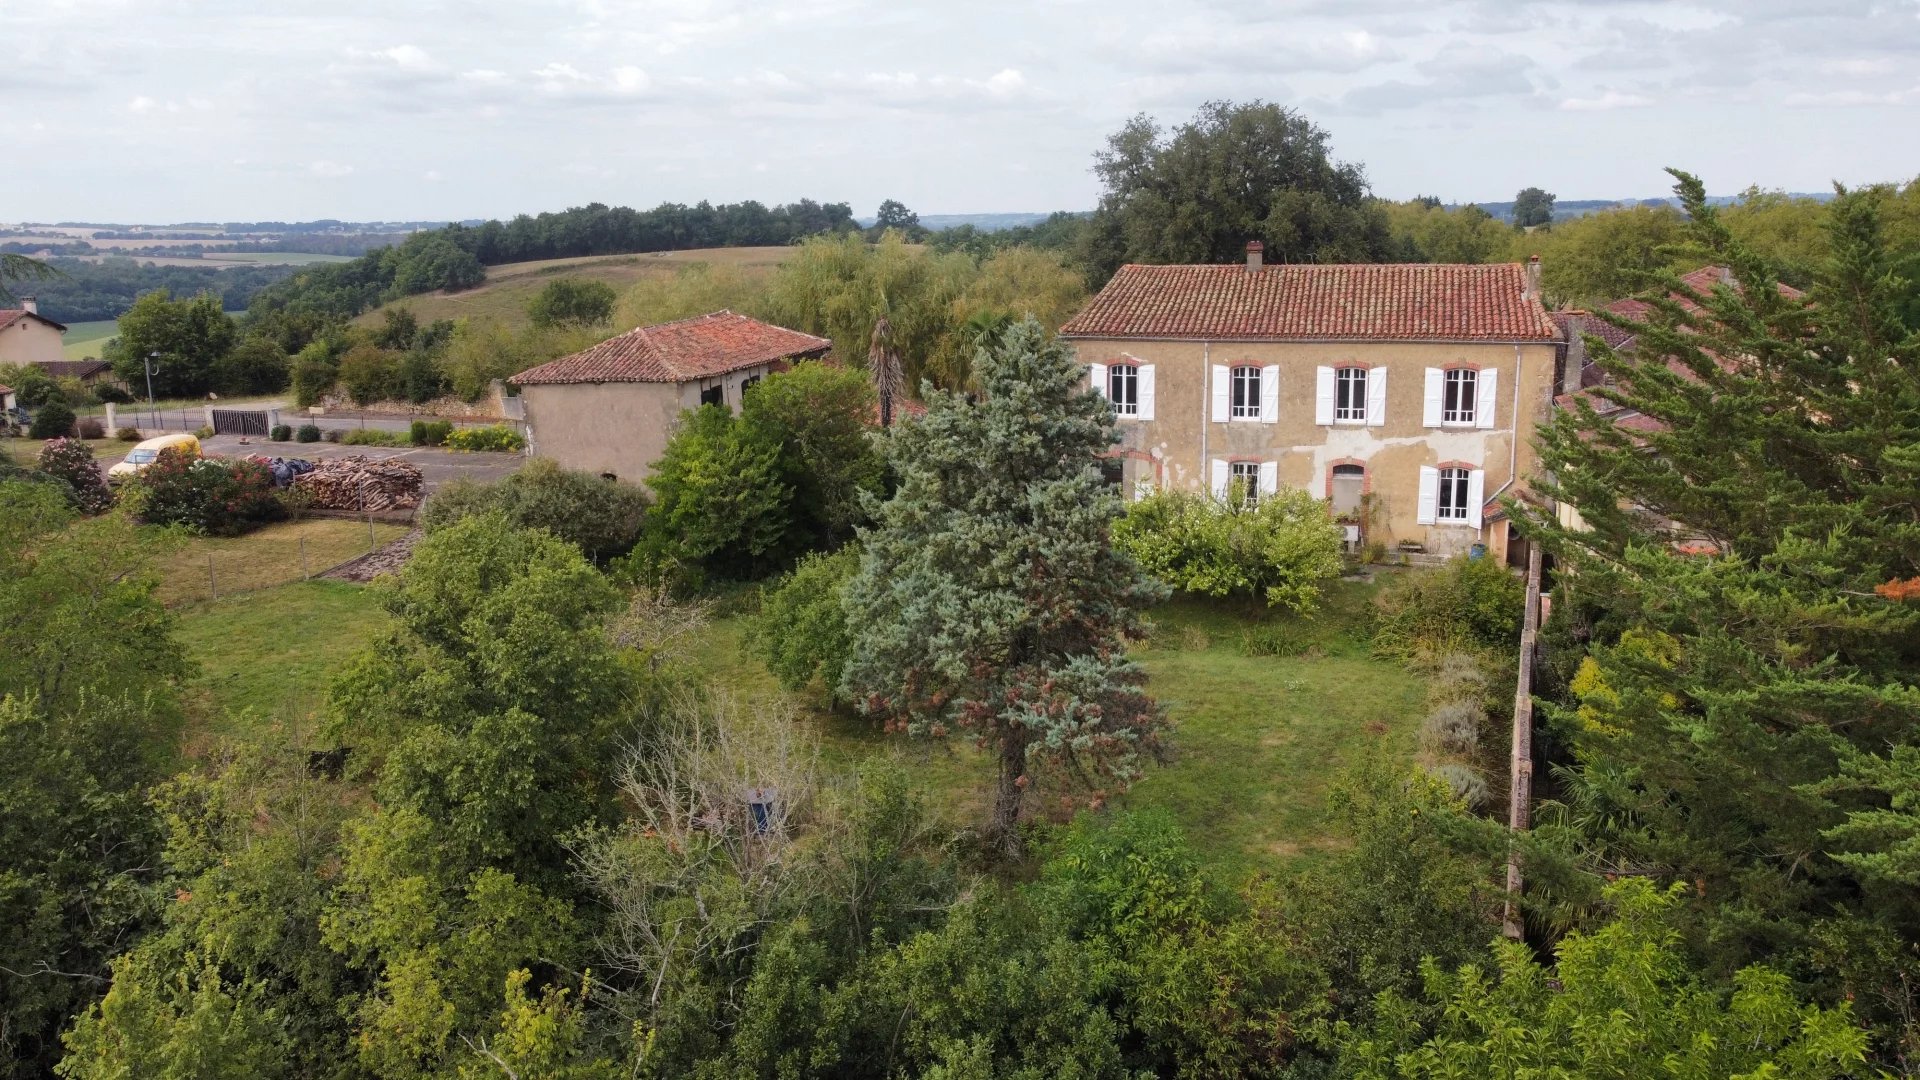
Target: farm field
[[504, 295], [83, 340]]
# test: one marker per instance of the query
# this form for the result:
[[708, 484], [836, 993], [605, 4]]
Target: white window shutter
[[1428, 508], [1323, 395], [1377, 396], [1484, 401], [1270, 393], [1269, 477], [1436, 386], [1097, 375], [1476, 494], [1144, 387], [1219, 478], [1222, 389]]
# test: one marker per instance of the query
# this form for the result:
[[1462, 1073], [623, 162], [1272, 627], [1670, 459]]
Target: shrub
[[1281, 549], [215, 496], [71, 462], [1468, 602], [429, 432], [53, 421], [280, 433], [1452, 728], [802, 629], [204, 431], [1278, 639], [109, 394], [572, 302], [128, 434], [496, 438], [331, 435], [1466, 782], [370, 437], [88, 428], [369, 373], [308, 433], [602, 517], [720, 508]]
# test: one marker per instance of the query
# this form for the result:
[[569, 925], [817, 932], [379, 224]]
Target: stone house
[[610, 409], [28, 337], [1405, 394]]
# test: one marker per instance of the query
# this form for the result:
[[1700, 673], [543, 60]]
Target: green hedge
[[498, 439]]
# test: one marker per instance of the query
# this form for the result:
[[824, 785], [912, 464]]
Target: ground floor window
[[1349, 484], [1243, 481], [1452, 504], [713, 395]]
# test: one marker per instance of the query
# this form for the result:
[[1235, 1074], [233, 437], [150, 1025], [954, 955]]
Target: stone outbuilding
[[611, 409]]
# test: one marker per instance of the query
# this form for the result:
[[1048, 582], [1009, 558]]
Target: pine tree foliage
[[1745, 534], [990, 598]]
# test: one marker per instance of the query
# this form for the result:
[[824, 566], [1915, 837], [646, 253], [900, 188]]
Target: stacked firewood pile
[[361, 483]]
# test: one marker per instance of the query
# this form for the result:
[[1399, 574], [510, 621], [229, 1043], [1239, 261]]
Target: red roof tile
[[77, 369], [1394, 301], [696, 348], [9, 316]]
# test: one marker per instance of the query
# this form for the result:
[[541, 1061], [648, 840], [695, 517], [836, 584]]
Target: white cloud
[[1006, 83], [431, 176], [330, 170], [1611, 99], [142, 104]]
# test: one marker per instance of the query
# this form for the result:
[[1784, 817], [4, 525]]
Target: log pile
[[362, 483]]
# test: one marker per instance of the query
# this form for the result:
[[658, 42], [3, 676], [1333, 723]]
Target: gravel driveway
[[436, 466]]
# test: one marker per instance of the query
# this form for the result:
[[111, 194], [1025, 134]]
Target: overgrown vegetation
[[601, 517], [1281, 548]]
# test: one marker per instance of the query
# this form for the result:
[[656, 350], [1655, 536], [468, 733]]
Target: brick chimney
[[1256, 254], [29, 305], [1533, 279]]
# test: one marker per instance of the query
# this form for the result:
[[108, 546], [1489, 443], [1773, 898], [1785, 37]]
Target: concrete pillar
[[113, 421], [209, 411]]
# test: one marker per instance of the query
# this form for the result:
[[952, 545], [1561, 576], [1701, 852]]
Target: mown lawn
[[105, 451], [264, 558], [266, 657], [1258, 741]]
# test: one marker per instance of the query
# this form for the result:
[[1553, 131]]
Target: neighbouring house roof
[[1393, 301], [697, 348], [9, 316], [5, 390], [77, 369], [1702, 281]]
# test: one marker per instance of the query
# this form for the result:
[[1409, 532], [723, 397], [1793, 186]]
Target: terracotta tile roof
[[1589, 324], [77, 369], [9, 316], [5, 390], [696, 348], [1393, 301]]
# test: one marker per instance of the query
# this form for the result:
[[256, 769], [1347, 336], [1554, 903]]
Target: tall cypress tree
[[1739, 655], [990, 599]]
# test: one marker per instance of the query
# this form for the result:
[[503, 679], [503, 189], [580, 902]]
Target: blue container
[[1477, 551]]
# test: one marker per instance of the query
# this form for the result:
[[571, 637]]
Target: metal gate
[[239, 422]]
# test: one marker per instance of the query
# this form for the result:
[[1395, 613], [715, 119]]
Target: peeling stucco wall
[[1174, 448]]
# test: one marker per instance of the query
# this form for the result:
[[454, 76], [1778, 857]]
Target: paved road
[[192, 419], [436, 466]]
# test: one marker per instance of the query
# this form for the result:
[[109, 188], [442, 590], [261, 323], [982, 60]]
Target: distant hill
[[1564, 209]]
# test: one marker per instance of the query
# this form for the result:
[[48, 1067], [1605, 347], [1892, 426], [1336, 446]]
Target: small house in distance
[[28, 337], [611, 408]]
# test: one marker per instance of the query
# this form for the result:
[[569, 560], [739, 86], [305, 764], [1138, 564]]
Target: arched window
[[1349, 484]]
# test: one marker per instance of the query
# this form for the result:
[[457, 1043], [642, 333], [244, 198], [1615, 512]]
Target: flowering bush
[[216, 496], [73, 464]]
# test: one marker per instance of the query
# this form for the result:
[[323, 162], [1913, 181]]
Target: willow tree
[[990, 600]]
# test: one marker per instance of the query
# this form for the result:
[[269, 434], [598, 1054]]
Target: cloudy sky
[[166, 110]]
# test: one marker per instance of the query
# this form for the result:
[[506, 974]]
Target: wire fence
[[214, 569]]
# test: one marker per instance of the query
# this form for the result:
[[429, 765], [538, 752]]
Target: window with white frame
[[1461, 396], [1246, 393], [1243, 481], [1350, 395], [1123, 389], [1451, 504]]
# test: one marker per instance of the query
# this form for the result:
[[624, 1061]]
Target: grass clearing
[[504, 296], [267, 657], [265, 557], [27, 451], [83, 340]]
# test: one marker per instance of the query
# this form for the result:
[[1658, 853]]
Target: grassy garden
[[276, 554]]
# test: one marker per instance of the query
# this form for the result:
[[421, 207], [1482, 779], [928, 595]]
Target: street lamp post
[[147, 363]]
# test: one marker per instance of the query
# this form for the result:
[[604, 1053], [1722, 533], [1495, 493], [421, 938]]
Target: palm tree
[[883, 366], [20, 268]]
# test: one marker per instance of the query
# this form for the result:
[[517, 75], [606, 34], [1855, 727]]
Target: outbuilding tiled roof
[[73, 369], [696, 348], [1392, 301], [9, 316]]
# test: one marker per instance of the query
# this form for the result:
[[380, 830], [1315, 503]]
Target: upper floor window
[[1451, 505], [1123, 389], [1350, 395], [1461, 396], [1244, 478], [1246, 393]]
